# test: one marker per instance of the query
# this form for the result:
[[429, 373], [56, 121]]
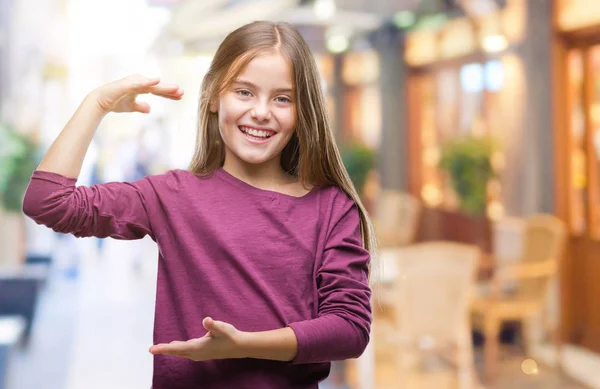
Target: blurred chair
[[11, 331], [431, 296], [20, 290], [529, 280], [507, 236], [396, 221], [396, 218]]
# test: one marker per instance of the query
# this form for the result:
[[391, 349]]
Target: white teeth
[[257, 133]]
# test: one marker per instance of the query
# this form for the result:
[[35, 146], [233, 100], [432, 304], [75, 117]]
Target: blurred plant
[[18, 159], [358, 160], [467, 161]]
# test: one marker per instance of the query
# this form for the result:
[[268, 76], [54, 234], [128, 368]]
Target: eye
[[243, 93], [283, 99]]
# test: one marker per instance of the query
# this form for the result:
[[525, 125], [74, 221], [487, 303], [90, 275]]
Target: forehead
[[268, 70]]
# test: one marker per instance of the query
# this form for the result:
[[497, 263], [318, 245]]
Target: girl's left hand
[[222, 341]]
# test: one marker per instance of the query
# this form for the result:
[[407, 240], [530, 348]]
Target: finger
[[168, 89], [153, 81], [173, 96], [216, 327], [170, 352], [142, 106], [170, 92], [148, 82], [207, 323], [162, 87], [170, 348], [139, 83], [157, 348]]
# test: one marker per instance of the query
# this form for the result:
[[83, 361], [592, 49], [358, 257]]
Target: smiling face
[[257, 112]]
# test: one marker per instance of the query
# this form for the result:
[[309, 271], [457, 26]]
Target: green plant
[[467, 161], [358, 160], [18, 158]]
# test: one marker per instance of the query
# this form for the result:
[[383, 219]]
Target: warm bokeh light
[[495, 210], [432, 195], [494, 43], [529, 367]]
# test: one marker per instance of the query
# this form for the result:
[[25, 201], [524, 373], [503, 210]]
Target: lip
[[254, 140]]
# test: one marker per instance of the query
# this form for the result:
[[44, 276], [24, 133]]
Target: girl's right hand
[[120, 95]]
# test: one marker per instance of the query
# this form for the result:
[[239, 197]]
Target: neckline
[[226, 176]]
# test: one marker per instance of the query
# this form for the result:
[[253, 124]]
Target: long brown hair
[[311, 154]]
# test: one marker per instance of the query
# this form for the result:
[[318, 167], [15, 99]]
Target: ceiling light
[[324, 9], [337, 43]]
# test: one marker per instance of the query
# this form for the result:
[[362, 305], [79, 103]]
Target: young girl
[[264, 245]]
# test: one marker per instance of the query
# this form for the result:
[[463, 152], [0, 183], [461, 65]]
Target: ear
[[214, 106]]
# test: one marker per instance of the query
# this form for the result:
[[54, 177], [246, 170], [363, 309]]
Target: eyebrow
[[251, 85]]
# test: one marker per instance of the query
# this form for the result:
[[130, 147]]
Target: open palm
[[222, 341]]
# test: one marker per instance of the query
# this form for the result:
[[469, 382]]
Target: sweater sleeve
[[115, 209], [342, 327]]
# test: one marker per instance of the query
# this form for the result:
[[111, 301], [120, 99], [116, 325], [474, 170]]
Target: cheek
[[224, 113], [230, 110], [287, 120], [227, 121]]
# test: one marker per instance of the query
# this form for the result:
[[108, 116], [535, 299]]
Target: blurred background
[[470, 127]]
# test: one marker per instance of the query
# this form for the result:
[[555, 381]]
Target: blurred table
[[389, 271]]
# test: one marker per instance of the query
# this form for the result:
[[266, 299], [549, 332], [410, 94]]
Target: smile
[[256, 134]]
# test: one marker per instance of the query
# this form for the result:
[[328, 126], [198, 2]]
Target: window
[[584, 140], [455, 101]]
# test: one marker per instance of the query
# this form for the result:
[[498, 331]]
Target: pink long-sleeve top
[[258, 259]]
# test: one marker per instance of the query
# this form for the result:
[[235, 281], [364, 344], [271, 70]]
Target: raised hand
[[120, 95]]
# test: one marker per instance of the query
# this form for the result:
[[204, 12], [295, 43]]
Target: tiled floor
[[511, 376], [45, 361], [94, 331]]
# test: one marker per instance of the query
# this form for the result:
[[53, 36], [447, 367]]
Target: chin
[[254, 159]]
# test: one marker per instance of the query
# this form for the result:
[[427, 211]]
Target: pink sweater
[[258, 259]]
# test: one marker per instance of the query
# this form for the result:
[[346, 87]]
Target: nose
[[261, 111]]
